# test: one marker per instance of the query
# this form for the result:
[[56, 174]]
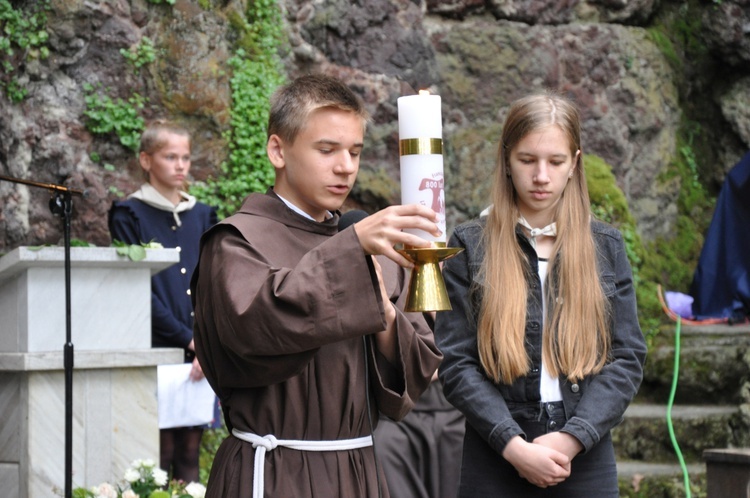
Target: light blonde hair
[[152, 140], [576, 338], [292, 104]]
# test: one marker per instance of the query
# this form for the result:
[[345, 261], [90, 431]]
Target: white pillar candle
[[420, 134]]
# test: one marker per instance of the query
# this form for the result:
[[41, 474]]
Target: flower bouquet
[[143, 479]]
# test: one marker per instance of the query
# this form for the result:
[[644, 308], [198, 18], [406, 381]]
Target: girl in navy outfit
[[542, 350], [160, 211]]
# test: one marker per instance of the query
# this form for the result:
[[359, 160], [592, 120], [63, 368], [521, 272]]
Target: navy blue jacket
[[135, 222], [721, 283], [592, 406]]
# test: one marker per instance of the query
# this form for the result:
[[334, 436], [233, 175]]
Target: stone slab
[[110, 298], [23, 362], [22, 258]]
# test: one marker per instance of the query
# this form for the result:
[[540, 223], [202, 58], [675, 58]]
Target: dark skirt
[[486, 473]]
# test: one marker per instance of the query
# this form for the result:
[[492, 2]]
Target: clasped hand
[[545, 461]]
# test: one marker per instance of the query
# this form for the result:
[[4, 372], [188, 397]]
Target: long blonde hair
[[576, 338]]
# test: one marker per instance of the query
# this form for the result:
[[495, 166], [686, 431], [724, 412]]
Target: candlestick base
[[426, 290]]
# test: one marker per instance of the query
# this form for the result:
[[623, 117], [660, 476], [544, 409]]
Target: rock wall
[[478, 55]]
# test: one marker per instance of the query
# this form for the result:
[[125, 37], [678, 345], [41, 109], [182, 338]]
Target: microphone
[[351, 217], [49, 186]]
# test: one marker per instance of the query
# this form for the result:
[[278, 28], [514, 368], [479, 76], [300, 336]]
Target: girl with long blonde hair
[[543, 350]]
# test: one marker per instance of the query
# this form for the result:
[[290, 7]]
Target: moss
[[666, 261], [609, 204], [606, 197], [672, 259], [677, 256], [677, 34], [662, 486], [236, 20], [687, 27], [660, 37]]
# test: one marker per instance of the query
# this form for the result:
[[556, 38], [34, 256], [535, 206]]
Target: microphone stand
[[61, 204]]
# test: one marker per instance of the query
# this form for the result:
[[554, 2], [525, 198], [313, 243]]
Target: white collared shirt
[[300, 212], [550, 387]]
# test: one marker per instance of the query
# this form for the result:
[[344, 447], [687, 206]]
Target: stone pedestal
[[114, 379], [727, 472]]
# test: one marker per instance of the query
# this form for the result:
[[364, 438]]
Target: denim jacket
[[592, 406]]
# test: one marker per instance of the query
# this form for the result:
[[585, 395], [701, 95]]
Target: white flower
[[132, 475], [129, 494], [160, 477], [148, 463], [196, 490], [104, 490]]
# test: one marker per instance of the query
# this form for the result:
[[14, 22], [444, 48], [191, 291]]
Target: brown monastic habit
[[282, 305]]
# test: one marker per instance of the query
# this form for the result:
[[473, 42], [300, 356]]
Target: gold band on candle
[[422, 146]]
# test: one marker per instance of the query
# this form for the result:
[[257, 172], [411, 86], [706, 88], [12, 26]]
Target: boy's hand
[[386, 339], [379, 232], [196, 372]]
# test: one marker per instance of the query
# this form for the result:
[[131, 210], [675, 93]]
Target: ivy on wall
[[256, 74], [23, 37], [121, 117], [140, 54]]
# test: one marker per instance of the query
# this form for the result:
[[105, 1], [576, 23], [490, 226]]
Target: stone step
[[710, 332], [629, 470], [714, 364], [658, 480], [644, 436]]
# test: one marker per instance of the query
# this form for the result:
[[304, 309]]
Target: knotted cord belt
[[269, 442]]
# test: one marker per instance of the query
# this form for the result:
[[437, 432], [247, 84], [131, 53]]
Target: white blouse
[[550, 386]]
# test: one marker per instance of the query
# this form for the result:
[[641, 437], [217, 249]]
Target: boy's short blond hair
[[292, 104], [150, 139]]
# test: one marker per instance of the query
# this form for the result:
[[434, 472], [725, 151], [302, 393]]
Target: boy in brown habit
[[285, 304]]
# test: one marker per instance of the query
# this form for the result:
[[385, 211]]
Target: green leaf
[[136, 252], [81, 243]]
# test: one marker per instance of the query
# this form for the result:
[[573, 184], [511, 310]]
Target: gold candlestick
[[426, 285]]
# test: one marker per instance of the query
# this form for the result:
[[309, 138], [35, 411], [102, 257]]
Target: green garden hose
[[675, 375]]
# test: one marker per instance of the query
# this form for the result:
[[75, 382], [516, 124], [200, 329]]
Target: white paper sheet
[[183, 402]]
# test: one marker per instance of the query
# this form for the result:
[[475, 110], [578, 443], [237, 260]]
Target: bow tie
[[550, 230]]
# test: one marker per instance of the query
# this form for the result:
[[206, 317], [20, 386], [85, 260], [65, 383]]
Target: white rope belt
[[269, 442]]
